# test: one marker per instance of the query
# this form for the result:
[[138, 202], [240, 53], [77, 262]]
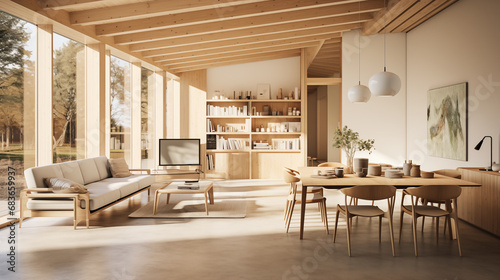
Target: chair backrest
[[331, 164], [435, 192], [292, 170], [290, 177], [370, 192]]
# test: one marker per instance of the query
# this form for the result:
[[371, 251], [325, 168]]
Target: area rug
[[188, 206]]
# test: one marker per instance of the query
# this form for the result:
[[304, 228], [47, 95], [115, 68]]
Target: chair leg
[[455, 219], [325, 218], [348, 219], [380, 229], [391, 232], [289, 220], [336, 222], [287, 206], [415, 233], [401, 225], [437, 229]]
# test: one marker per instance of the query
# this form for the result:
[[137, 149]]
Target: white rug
[[187, 206]]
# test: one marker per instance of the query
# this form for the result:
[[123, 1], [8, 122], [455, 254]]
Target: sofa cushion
[[71, 170], [89, 170], [63, 185], [34, 176], [50, 204], [141, 180], [101, 195], [103, 167], [119, 168]]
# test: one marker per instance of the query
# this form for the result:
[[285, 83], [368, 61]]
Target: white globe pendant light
[[359, 93], [384, 84]]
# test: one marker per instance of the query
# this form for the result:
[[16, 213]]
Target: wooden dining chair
[[331, 164], [293, 179], [367, 192], [309, 190], [431, 193]]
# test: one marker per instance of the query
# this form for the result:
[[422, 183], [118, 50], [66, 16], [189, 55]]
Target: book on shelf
[[210, 162], [232, 143], [211, 142], [286, 144], [233, 111]]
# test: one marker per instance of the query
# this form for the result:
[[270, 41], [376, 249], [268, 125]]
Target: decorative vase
[[495, 167], [415, 170], [407, 168], [360, 163], [348, 168]]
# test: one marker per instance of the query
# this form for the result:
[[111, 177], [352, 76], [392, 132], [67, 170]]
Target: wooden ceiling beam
[[247, 32], [218, 41], [234, 58], [426, 13], [238, 61], [385, 16], [278, 22], [211, 15], [220, 56], [150, 9], [311, 52], [232, 45], [66, 4], [222, 50], [406, 15]]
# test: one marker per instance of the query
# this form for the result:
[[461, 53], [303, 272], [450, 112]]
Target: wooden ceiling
[[185, 35]]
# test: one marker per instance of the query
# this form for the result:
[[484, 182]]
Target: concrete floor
[[255, 247]]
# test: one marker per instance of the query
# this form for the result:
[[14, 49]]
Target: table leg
[[303, 210], [168, 198], [211, 195], [206, 202], [156, 201]]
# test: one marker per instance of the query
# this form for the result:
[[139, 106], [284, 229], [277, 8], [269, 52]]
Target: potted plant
[[349, 141]]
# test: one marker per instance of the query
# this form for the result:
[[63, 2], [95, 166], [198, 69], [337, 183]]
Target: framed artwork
[[447, 122]]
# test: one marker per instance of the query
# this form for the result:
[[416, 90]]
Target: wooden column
[[44, 94], [95, 129]]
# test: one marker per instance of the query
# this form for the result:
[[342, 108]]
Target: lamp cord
[[359, 46], [385, 31]]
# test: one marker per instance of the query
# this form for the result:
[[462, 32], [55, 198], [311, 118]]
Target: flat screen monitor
[[177, 152]]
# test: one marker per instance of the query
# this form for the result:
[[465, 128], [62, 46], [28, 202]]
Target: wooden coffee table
[[206, 188]]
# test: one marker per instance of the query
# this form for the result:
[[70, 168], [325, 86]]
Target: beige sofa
[[94, 173]]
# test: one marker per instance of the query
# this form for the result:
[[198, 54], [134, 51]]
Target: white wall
[[280, 73], [460, 44], [382, 118], [333, 121]]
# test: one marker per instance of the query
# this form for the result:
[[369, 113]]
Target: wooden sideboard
[[481, 206]]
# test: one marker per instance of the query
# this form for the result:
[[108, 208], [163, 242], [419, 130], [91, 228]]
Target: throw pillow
[[119, 168], [62, 185]]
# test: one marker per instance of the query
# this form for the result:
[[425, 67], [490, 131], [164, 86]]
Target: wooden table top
[[171, 187], [352, 180]]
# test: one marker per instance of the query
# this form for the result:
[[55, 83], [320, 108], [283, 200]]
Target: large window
[[17, 100], [68, 102], [120, 122], [147, 121]]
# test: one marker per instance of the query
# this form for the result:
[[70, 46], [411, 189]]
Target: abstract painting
[[447, 122]]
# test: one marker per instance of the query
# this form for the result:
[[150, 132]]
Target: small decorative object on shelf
[[349, 141]]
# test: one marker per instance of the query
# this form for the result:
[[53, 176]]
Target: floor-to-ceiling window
[[17, 103], [120, 121], [68, 102], [147, 120]]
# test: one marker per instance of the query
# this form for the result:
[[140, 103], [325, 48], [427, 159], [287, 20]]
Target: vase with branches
[[349, 141]]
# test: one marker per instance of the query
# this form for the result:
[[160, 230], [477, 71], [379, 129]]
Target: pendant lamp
[[384, 83], [359, 93]]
